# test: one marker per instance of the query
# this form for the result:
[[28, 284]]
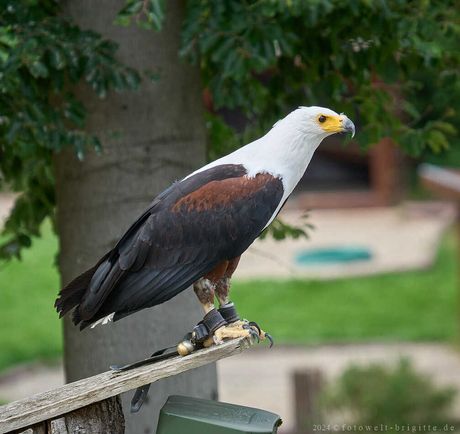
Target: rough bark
[[150, 138], [104, 417]]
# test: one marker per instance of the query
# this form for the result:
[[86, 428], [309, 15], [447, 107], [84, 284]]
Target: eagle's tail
[[72, 294]]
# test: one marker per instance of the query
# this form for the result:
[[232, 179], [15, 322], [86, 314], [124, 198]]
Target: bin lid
[[194, 412]]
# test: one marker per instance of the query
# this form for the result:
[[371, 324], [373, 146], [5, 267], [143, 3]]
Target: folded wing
[[208, 217]]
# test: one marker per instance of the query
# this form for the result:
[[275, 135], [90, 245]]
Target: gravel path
[[399, 238]]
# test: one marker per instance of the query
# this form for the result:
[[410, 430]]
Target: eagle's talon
[[254, 328], [254, 335], [254, 324], [270, 338]]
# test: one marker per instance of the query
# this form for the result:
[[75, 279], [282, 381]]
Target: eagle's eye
[[322, 119]]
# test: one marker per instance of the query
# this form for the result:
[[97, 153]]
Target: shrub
[[398, 395]]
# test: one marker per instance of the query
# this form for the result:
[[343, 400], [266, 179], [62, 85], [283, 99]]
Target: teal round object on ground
[[333, 255]]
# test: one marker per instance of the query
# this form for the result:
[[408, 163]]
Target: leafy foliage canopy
[[41, 57], [393, 65]]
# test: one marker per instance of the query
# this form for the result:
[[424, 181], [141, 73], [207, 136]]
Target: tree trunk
[[150, 138], [104, 417]]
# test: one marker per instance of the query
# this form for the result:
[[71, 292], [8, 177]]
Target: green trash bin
[[185, 415]]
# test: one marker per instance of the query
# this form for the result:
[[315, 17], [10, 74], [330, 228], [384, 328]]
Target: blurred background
[[103, 105]]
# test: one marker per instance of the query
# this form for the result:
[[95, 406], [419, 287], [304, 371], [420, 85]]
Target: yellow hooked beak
[[337, 124]]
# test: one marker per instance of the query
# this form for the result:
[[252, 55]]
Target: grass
[[416, 306], [29, 326], [412, 306]]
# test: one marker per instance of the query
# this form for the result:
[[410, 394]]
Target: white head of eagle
[[316, 123], [195, 231], [286, 150]]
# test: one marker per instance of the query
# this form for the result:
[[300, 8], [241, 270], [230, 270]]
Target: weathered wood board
[[49, 405]]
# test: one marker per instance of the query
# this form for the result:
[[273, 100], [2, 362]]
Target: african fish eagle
[[195, 231]]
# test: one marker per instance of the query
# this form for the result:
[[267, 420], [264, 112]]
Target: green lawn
[[417, 305], [29, 326]]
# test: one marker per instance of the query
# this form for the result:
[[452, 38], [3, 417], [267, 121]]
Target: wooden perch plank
[[48, 405]]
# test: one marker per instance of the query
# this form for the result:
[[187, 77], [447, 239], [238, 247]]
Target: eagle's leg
[[227, 308], [217, 283], [215, 323], [228, 311], [205, 290]]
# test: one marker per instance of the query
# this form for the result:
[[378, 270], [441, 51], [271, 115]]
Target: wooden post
[[307, 389], [384, 172], [91, 405], [102, 417]]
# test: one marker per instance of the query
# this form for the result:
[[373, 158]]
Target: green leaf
[[38, 69], [57, 59]]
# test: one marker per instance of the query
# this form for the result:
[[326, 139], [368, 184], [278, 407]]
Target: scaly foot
[[245, 324], [237, 329], [228, 332]]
